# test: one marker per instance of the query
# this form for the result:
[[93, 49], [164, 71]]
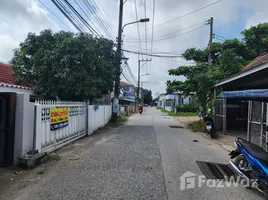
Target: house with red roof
[[241, 105], [7, 81], [16, 117]]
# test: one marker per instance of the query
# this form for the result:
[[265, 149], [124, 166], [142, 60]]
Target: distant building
[[167, 101]]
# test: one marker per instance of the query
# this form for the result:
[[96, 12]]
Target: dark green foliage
[[69, 66]]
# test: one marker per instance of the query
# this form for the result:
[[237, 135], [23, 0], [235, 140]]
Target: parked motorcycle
[[251, 163], [140, 110], [209, 125]]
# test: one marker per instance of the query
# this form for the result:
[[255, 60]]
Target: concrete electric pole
[[210, 41], [139, 74], [118, 67]]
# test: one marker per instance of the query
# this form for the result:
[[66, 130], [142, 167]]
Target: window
[[190, 99], [182, 101]]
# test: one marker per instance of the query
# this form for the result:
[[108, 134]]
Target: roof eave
[[242, 74]]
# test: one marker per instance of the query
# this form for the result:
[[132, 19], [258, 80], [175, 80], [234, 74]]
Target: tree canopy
[[147, 94], [65, 65], [228, 58]]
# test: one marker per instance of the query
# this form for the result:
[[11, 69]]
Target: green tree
[[228, 58], [256, 39], [69, 66], [147, 95]]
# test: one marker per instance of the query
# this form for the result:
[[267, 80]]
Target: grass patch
[[197, 126], [164, 111], [184, 114], [176, 114], [122, 118]]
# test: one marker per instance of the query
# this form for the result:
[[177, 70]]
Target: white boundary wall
[[98, 116]]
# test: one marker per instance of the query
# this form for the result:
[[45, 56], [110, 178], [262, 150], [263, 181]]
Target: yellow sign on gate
[[58, 117]]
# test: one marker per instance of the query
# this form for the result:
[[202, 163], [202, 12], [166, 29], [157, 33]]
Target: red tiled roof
[[257, 61], [15, 86], [6, 73], [124, 84], [7, 79]]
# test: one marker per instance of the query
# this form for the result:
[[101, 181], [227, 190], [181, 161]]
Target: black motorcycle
[[209, 125], [140, 110]]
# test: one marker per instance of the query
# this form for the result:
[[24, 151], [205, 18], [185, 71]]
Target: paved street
[[142, 160]]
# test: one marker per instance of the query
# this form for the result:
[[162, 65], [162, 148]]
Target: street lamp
[[139, 21], [145, 74]]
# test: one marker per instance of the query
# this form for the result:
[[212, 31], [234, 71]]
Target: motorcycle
[[251, 163], [140, 110], [209, 125]]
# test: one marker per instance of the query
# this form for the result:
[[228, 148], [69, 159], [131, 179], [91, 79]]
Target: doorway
[[7, 128]]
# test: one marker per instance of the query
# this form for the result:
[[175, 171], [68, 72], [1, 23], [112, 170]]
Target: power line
[[179, 30], [152, 55], [152, 37], [81, 18], [138, 23], [167, 38], [104, 21], [64, 11], [145, 24], [187, 14], [219, 36], [158, 51], [55, 15], [92, 10], [86, 15]]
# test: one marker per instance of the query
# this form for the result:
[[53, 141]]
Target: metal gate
[[257, 115], [58, 123], [220, 116]]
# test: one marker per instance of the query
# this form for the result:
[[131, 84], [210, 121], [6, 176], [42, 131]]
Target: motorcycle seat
[[255, 150]]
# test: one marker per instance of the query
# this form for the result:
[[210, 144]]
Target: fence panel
[[58, 123], [98, 116], [257, 123]]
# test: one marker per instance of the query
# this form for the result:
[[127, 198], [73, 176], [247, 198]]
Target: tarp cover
[[245, 94]]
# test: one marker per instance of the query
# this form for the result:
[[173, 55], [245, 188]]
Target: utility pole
[[142, 94], [118, 67], [210, 41], [139, 73]]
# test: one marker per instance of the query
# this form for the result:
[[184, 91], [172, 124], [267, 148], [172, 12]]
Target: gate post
[[262, 113], [249, 120], [224, 117], [38, 131]]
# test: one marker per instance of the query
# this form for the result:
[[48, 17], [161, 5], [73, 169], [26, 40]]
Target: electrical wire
[[187, 14], [152, 36], [168, 38], [66, 14], [81, 18], [104, 21], [179, 30], [153, 55], [136, 11], [55, 15], [80, 6]]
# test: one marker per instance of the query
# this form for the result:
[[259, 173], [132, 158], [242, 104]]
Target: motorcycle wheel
[[242, 165]]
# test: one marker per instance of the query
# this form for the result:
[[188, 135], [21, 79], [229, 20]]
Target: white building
[[167, 101]]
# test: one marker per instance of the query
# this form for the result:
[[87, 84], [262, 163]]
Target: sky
[[19, 17]]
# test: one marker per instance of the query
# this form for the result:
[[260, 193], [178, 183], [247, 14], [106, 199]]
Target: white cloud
[[18, 18]]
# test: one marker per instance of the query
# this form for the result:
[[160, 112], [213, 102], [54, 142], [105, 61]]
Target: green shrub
[[197, 126], [191, 107]]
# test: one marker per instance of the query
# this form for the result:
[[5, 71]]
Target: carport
[[241, 107]]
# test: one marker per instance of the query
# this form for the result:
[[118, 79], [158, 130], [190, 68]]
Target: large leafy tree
[[228, 59], [65, 65], [147, 95]]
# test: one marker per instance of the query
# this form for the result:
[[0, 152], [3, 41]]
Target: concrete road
[[142, 160]]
